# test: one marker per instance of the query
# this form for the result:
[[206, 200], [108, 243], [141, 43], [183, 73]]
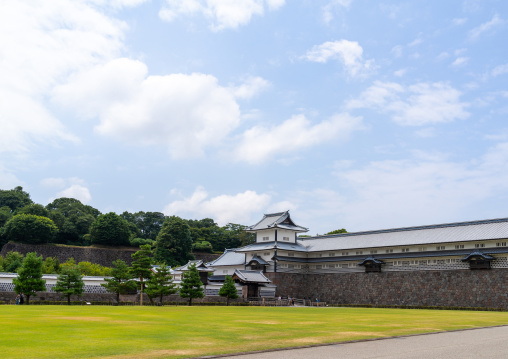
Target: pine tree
[[121, 280], [228, 289], [141, 266], [191, 286], [70, 283], [29, 280], [160, 284], [174, 242]]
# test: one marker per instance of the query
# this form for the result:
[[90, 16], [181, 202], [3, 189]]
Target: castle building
[[455, 248]]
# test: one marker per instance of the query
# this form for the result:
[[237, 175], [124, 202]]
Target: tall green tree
[[228, 289], [147, 224], [160, 284], [51, 265], [5, 215], [70, 283], [110, 229], [191, 286], [29, 228], [174, 244], [121, 280], [14, 198], [141, 266], [29, 280], [34, 208]]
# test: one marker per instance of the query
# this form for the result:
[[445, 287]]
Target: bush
[[138, 242]]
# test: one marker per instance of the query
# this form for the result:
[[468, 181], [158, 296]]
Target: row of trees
[[123, 280], [68, 221]]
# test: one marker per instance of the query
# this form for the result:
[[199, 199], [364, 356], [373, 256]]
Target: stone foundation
[[459, 288]]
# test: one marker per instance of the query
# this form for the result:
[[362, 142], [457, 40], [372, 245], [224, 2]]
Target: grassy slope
[[176, 332]]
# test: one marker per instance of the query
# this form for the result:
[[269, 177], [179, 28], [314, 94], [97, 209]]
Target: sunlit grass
[[179, 332]]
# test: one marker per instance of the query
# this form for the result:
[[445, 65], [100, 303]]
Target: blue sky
[[350, 113]]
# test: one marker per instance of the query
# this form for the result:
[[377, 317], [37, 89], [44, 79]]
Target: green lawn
[[179, 332]]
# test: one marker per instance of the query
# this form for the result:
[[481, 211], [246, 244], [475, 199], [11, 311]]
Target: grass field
[[179, 332]]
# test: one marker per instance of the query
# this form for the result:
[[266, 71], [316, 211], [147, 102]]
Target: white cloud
[[250, 88], [416, 105], [185, 113], [47, 41], [500, 70], [262, 143], [485, 27], [76, 191], [400, 73], [428, 187], [223, 14], [224, 209], [7, 178], [460, 61], [329, 8], [349, 53]]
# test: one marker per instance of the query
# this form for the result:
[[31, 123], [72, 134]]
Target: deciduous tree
[[70, 283], [191, 286], [14, 198], [174, 243], [228, 289], [29, 280], [29, 228], [110, 229]]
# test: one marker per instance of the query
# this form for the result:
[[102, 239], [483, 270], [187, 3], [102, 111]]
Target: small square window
[[359, 252], [459, 246], [345, 253], [389, 251]]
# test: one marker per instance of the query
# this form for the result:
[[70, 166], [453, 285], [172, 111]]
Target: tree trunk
[[190, 301], [227, 301], [161, 299], [141, 298], [68, 299], [27, 299], [117, 297]]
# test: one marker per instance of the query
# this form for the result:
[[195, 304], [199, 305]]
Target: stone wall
[[459, 288], [103, 255]]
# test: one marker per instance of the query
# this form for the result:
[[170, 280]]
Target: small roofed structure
[[257, 264], [203, 270], [252, 281], [478, 260], [371, 264]]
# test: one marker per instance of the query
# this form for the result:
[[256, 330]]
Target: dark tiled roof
[[477, 254], [276, 220], [250, 276], [370, 259], [258, 260]]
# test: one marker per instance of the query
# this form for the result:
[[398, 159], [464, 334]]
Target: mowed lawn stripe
[[179, 332]]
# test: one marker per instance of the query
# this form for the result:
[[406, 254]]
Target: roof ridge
[[413, 228]]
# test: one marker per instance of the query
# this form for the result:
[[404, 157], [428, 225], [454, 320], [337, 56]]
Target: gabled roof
[[276, 220], [229, 258], [370, 259], [258, 260], [250, 276], [433, 234], [201, 267], [477, 254]]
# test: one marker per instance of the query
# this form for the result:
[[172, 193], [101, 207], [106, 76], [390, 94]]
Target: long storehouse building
[[452, 247]]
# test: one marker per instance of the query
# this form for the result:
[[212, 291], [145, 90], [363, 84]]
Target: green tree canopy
[[73, 219], [34, 208], [191, 286], [51, 265], [29, 280], [70, 283], [110, 229], [228, 289], [5, 215], [12, 262], [141, 266], [337, 231], [29, 228], [14, 198], [121, 280], [174, 243], [147, 224], [160, 284]]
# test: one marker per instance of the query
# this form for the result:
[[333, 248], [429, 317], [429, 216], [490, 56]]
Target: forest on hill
[[68, 221]]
